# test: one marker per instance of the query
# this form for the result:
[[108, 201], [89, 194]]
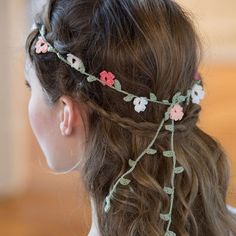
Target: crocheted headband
[[174, 112]]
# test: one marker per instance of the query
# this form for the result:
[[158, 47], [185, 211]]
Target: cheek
[[36, 118], [46, 132]]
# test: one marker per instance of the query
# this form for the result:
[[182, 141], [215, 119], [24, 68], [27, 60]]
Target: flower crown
[[173, 113]]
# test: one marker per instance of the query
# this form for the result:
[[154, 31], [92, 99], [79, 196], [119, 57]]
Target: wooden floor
[[56, 205]]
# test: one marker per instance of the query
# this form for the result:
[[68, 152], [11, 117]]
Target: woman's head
[[147, 47], [150, 46]]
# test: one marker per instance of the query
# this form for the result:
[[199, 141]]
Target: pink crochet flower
[[176, 112], [41, 46], [197, 76], [107, 78]]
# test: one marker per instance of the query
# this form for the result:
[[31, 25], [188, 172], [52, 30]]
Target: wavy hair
[[151, 46]]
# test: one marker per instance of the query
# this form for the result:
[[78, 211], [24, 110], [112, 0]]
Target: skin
[[58, 128]]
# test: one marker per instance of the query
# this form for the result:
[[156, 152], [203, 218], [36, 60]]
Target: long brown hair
[[150, 46]]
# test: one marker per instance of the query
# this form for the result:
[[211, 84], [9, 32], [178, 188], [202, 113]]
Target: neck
[[94, 231]]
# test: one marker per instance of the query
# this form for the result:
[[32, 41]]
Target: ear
[[68, 112]]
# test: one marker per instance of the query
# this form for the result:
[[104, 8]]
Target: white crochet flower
[[75, 62], [197, 93], [140, 104], [33, 27]]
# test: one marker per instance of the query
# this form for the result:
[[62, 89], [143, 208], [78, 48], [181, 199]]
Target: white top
[[231, 209], [94, 231]]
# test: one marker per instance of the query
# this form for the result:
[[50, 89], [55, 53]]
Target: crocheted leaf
[[176, 96], [170, 233], [167, 115], [198, 82], [169, 128], [124, 181], [165, 101], [51, 49], [153, 97], [117, 85], [128, 98], [107, 204], [151, 151], [106, 208], [168, 153], [91, 78], [168, 190], [179, 170], [82, 68], [131, 162], [43, 30], [181, 98], [165, 217]]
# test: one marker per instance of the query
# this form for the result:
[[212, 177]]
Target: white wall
[[13, 96], [217, 24]]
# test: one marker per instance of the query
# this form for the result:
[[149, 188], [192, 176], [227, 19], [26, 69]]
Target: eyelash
[[27, 84]]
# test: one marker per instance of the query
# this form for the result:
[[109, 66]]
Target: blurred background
[[33, 201]]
